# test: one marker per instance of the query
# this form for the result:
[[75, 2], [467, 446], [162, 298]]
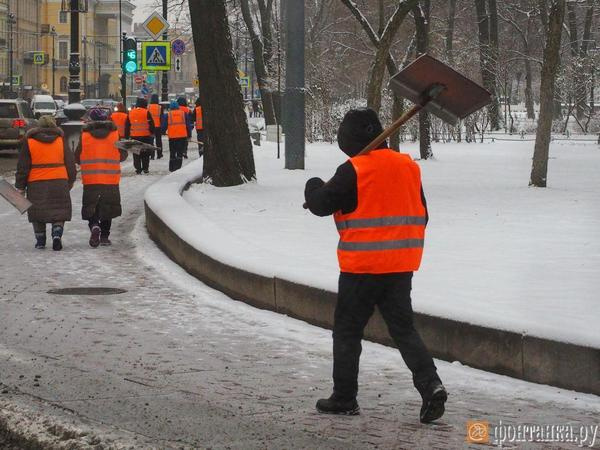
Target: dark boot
[[95, 236], [333, 405], [434, 396], [40, 241], [57, 232], [105, 241]]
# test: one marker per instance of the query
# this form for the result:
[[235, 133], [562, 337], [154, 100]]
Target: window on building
[[63, 50], [63, 84], [63, 17]]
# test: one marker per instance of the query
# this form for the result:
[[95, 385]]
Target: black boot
[[40, 241], [333, 405], [57, 232], [434, 396], [94, 236]]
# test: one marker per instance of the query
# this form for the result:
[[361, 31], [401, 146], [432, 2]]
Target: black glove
[[312, 185]]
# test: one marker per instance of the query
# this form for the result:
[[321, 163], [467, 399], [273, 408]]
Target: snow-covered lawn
[[498, 253]]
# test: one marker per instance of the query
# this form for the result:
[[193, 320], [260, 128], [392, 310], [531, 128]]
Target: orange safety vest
[[100, 159], [386, 232], [198, 113], [47, 160], [176, 124], [154, 109], [119, 118], [138, 118], [185, 109]]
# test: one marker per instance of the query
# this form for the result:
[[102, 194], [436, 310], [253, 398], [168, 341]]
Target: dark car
[[16, 118]]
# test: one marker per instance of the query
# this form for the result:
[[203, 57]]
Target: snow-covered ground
[[498, 253]]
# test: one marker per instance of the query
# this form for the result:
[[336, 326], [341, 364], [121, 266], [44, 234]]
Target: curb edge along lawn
[[521, 356]]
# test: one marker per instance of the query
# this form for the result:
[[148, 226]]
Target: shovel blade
[[460, 98], [13, 197]]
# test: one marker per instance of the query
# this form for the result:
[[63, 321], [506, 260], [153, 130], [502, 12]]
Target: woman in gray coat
[[46, 171]]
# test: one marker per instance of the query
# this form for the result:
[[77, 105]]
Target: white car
[[43, 105]]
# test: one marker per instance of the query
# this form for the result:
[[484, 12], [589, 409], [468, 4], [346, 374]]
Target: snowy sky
[[142, 10]]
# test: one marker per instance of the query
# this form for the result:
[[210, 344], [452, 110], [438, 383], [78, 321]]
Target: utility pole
[[165, 75], [85, 67], [123, 76], [294, 85], [11, 22], [74, 68], [53, 32]]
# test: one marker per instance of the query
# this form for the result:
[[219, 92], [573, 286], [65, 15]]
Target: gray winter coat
[[51, 199], [100, 200]]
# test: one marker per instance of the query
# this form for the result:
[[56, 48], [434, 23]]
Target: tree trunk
[[397, 111], [449, 38], [494, 55], [421, 16], [228, 158], [488, 74], [261, 60], [539, 169], [529, 90]]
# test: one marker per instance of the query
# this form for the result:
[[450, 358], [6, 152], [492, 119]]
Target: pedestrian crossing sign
[[156, 55], [39, 57]]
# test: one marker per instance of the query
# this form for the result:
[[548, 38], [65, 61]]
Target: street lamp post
[[53, 34], [84, 41], [11, 22], [165, 76]]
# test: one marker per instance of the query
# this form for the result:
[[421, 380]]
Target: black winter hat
[[358, 128]]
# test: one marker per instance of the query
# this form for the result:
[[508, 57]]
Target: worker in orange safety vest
[[177, 127], [119, 117], [380, 213], [140, 126], [199, 123], [156, 111], [100, 163]]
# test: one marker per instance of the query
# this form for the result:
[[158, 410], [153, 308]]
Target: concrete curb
[[564, 365]]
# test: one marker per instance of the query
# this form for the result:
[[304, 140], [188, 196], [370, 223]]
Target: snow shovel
[[135, 147], [434, 87], [13, 196]]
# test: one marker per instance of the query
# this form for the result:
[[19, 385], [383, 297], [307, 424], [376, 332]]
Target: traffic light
[[130, 61]]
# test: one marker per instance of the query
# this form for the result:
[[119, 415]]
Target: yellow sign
[[39, 57], [155, 25], [196, 82]]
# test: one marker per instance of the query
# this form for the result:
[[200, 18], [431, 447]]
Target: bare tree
[[260, 28], [539, 169], [421, 14], [228, 158]]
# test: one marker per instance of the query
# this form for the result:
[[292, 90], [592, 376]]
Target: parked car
[[91, 102], [60, 104], [16, 118], [43, 105], [109, 102]]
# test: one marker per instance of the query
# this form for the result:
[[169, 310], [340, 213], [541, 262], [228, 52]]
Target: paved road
[[8, 163], [178, 364]]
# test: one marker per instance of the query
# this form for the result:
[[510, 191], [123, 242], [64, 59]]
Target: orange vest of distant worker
[[176, 124], [47, 160], [185, 109], [100, 159], [154, 109], [119, 118], [138, 118], [198, 113], [386, 232]]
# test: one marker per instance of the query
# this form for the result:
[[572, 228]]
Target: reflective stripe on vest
[[198, 113], [47, 160], [138, 119], [176, 124], [154, 109], [119, 118], [386, 232], [100, 162]]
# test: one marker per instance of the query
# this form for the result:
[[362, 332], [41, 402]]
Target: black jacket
[[339, 193]]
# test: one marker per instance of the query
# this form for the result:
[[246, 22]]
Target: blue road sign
[[156, 55], [178, 47]]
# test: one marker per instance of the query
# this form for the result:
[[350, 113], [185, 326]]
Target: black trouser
[[142, 161], [104, 225], [357, 296], [39, 229], [177, 147], [158, 140], [200, 138]]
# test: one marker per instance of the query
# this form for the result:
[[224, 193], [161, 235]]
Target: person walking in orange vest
[[140, 126], [119, 117], [176, 126], [100, 163], [380, 212], [46, 171], [183, 105], [199, 122], [156, 111]]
